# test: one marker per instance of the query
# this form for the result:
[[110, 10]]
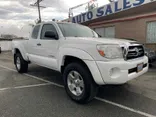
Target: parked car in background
[[151, 54]]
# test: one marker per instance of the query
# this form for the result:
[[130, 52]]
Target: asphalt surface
[[40, 94]]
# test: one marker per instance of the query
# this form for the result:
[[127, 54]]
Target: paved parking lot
[[40, 93]]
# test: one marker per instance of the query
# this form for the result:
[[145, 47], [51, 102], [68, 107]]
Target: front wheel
[[20, 63], [79, 83]]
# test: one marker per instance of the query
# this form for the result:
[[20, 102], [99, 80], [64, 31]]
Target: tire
[[20, 64], [86, 93]]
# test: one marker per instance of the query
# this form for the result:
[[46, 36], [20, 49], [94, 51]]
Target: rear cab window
[[35, 32]]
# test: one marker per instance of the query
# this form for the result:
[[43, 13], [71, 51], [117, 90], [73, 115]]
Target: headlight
[[110, 51]]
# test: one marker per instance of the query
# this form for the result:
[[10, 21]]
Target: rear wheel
[[79, 83], [20, 63]]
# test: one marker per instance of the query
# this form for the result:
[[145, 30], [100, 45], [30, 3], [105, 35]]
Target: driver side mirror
[[51, 34]]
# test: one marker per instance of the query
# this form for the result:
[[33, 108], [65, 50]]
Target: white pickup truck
[[85, 60]]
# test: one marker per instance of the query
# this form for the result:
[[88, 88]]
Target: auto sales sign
[[108, 9]]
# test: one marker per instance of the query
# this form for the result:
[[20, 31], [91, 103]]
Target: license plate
[[140, 67]]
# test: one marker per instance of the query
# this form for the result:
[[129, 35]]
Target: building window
[[100, 31], [106, 31], [151, 32]]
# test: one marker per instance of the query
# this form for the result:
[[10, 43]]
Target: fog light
[[115, 73]]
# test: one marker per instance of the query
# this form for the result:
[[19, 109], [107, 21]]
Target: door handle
[[38, 44]]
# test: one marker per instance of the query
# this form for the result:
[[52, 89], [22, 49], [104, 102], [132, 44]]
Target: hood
[[99, 40]]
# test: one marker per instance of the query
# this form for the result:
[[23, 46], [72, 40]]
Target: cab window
[[35, 32], [45, 28]]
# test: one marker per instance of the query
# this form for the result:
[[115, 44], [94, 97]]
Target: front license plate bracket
[[140, 67]]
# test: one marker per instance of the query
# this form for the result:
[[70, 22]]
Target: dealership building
[[128, 19]]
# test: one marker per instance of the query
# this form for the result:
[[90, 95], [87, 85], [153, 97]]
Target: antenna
[[37, 4]]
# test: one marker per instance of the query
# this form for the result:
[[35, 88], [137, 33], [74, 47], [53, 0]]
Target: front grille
[[135, 52]]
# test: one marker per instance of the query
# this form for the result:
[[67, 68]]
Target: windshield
[[76, 30]]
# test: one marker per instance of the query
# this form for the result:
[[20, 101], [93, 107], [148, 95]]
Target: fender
[[20, 47], [83, 55], [63, 52]]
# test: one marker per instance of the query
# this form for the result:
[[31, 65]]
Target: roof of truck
[[57, 22]]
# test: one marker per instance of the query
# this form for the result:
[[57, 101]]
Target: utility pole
[[37, 4], [39, 12]]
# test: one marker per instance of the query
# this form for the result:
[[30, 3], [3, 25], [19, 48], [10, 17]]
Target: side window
[[47, 27], [35, 32]]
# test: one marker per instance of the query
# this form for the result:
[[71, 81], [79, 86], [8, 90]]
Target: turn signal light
[[101, 52]]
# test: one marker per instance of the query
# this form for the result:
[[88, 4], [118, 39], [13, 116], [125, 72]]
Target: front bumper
[[119, 72]]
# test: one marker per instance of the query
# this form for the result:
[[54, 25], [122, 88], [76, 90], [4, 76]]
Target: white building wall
[[6, 45]]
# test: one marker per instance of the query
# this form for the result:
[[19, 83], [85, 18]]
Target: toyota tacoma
[[85, 60]]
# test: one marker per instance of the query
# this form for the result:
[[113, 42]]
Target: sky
[[17, 15]]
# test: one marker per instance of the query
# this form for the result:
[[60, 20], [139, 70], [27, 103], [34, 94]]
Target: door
[[33, 42], [106, 31], [48, 47], [110, 32]]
